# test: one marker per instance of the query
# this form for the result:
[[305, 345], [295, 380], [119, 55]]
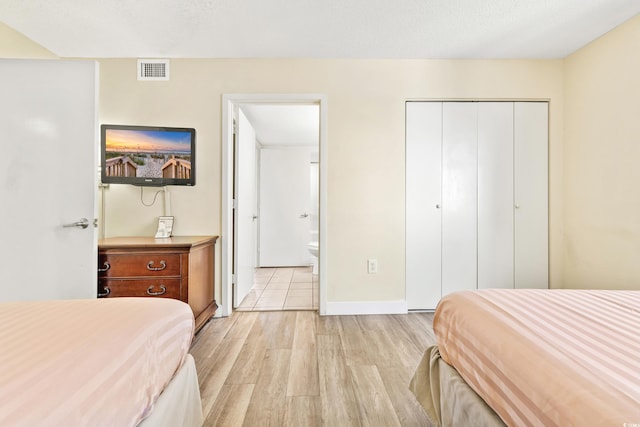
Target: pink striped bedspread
[[99, 362], [547, 357]]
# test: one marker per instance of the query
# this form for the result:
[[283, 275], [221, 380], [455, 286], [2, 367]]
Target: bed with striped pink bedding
[[547, 357], [89, 362]]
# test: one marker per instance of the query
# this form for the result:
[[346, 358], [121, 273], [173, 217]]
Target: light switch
[[372, 266]]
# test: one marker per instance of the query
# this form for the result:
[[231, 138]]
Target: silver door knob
[[517, 206], [83, 223], [254, 217], [304, 215], [438, 206]]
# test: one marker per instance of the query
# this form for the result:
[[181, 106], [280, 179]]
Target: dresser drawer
[[139, 265], [181, 268], [165, 288]]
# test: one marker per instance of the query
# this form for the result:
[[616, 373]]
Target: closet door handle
[[438, 206]]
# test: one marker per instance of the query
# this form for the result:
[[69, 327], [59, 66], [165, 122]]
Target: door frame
[[229, 102]]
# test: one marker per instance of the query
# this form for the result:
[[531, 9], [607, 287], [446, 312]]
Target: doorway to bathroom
[[273, 202]]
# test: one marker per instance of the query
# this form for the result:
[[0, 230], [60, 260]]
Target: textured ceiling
[[315, 28]]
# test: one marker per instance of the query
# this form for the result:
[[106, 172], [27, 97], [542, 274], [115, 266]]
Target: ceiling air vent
[[153, 69]]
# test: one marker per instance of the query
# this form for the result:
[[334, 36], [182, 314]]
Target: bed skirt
[[446, 397], [179, 404]]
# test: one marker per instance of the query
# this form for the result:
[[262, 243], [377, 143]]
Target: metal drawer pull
[[150, 267], [162, 291], [106, 292], [106, 267]]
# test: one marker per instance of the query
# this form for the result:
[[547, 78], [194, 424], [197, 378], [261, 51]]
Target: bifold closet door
[[531, 140], [459, 196], [476, 197], [495, 195], [423, 200]]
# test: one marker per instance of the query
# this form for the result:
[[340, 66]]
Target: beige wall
[[602, 162], [14, 45], [365, 145]]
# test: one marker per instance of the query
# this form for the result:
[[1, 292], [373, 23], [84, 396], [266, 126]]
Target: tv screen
[[147, 155]]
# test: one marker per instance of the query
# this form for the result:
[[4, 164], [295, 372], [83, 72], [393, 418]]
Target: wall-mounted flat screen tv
[[147, 155]]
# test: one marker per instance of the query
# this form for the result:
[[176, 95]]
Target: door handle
[[83, 223], [304, 215]]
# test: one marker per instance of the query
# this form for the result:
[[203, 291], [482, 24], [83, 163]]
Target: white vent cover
[[153, 69]]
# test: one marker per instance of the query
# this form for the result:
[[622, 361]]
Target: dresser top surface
[[145, 242]]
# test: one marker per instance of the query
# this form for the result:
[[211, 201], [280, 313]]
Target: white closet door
[[459, 196], [495, 195], [423, 196], [531, 195]]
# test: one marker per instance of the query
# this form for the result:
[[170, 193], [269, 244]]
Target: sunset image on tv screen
[[148, 153]]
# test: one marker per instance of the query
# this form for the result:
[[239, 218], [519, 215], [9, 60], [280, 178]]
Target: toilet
[[313, 250]]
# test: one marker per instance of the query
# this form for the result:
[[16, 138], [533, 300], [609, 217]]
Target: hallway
[[283, 288]]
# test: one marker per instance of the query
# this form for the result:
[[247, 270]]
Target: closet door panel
[[495, 195], [423, 193], [531, 195], [459, 196]]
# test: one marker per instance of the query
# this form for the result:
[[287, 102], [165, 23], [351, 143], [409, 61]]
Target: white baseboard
[[340, 308]]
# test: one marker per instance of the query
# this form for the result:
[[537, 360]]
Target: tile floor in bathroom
[[282, 288]]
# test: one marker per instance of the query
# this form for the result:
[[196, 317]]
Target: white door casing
[[229, 102], [48, 129], [284, 231], [245, 211]]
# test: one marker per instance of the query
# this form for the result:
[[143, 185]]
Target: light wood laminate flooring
[[296, 368]]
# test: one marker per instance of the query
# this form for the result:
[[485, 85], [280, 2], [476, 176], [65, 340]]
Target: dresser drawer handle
[[106, 267], [150, 266], [106, 292], [163, 290]]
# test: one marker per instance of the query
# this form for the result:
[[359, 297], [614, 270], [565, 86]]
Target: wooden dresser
[[180, 267]]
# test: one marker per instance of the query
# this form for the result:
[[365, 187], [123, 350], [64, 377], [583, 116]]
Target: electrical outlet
[[372, 266]]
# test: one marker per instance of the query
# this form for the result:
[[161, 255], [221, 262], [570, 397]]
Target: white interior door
[[459, 196], [423, 200], [284, 207], [48, 177], [495, 195], [246, 208], [531, 195]]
